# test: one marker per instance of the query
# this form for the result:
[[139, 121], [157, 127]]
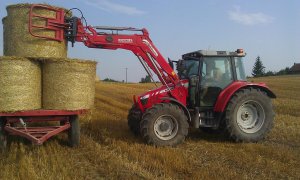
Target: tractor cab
[[209, 72]]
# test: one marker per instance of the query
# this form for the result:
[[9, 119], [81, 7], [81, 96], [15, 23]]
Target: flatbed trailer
[[68, 121]]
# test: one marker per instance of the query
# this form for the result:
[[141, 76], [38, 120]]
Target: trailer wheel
[[164, 125], [74, 131], [134, 119], [249, 115], [3, 135]]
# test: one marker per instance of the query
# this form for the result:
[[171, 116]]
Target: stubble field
[[109, 150]]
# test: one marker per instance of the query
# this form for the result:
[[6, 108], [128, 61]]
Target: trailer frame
[[39, 134]]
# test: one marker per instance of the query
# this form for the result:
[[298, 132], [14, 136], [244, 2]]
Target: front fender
[[185, 110], [225, 96]]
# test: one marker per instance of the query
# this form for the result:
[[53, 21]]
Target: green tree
[[147, 79], [258, 68]]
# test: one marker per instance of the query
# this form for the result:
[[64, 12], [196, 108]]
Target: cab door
[[216, 74]]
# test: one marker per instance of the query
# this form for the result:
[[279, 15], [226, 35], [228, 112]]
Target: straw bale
[[20, 84], [68, 84], [19, 42]]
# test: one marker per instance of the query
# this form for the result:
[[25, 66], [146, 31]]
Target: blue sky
[[268, 28]]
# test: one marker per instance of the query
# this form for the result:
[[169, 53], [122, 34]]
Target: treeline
[[146, 79], [259, 70], [280, 72], [111, 80]]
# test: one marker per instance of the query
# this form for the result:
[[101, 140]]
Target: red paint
[[226, 94], [38, 135], [142, 46], [139, 43], [43, 113], [55, 25]]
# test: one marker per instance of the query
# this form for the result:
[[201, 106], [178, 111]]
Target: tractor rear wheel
[[134, 119], [3, 135], [249, 115], [74, 131], [164, 124]]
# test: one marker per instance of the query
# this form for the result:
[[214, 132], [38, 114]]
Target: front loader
[[209, 92]]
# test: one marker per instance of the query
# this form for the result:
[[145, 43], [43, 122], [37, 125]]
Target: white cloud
[[109, 6], [249, 18]]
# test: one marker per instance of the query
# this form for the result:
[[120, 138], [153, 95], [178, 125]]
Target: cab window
[[216, 72], [240, 70], [216, 75]]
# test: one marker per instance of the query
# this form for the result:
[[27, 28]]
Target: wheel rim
[[250, 116], [165, 127]]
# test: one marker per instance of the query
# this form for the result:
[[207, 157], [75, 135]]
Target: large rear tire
[[164, 125], [249, 115], [134, 119], [74, 131]]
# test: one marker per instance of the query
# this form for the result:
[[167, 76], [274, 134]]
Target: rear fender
[[227, 93]]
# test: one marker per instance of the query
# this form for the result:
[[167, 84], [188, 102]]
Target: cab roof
[[207, 53]]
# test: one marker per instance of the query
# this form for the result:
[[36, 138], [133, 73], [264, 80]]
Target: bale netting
[[68, 84], [19, 42], [20, 84]]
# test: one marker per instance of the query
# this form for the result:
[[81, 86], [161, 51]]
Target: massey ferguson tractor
[[209, 92]]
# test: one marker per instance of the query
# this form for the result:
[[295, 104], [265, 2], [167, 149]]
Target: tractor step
[[208, 120]]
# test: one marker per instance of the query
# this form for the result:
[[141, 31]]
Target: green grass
[[109, 150]]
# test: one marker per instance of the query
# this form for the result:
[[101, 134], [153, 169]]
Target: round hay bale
[[19, 42], [20, 84], [68, 84]]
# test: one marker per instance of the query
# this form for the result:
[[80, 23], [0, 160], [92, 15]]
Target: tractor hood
[[154, 96]]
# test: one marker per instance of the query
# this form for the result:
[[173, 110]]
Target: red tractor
[[209, 92]]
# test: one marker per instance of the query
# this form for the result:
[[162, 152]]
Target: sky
[[266, 28]]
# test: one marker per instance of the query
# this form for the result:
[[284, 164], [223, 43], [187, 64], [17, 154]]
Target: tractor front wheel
[[134, 119], [249, 115], [164, 124]]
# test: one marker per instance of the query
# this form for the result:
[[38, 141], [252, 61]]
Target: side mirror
[[171, 63], [180, 65]]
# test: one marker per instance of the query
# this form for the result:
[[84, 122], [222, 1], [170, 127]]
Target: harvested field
[[109, 150]]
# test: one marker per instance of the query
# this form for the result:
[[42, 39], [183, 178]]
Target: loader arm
[[103, 37], [140, 44]]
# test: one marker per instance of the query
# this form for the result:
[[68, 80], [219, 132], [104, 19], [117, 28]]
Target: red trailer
[[68, 121]]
